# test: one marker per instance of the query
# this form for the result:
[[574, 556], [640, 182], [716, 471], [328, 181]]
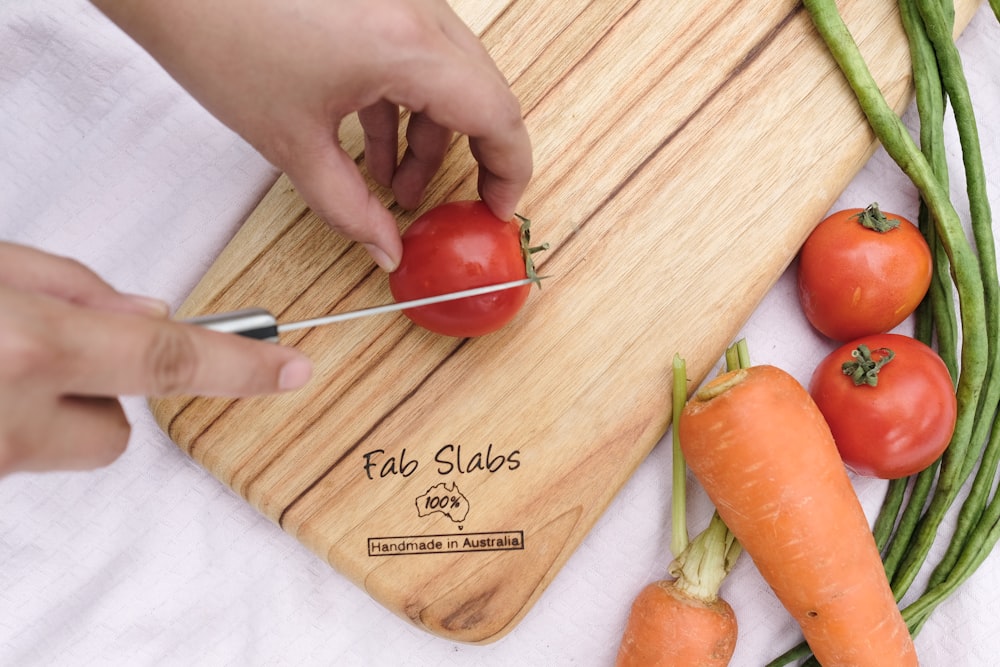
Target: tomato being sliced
[[862, 272], [460, 245], [890, 404]]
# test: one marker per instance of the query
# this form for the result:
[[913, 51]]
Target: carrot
[[763, 453], [682, 621], [667, 626]]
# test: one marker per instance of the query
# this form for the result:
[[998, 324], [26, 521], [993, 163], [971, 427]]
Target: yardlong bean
[[956, 86], [937, 68]]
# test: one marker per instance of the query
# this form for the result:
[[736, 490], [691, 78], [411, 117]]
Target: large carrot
[[760, 448]]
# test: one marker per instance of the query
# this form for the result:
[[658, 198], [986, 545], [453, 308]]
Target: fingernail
[[150, 305], [294, 374], [381, 258]]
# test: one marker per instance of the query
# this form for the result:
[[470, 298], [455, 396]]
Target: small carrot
[[682, 621], [760, 448], [673, 623]]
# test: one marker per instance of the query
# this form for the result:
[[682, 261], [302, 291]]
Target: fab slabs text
[[448, 459], [444, 500]]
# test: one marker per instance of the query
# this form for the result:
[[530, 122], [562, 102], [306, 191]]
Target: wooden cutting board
[[683, 151]]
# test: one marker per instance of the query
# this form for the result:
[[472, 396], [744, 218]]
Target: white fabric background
[[151, 561]]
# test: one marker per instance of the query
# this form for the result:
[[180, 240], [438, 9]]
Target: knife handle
[[256, 323]]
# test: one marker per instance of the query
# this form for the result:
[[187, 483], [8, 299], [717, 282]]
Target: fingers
[[426, 144], [453, 86], [505, 168], [77, 351], [332, 186], [141, 356], [380, 122], [33, 270], [498, 137], [463, 90], [64, 433], [63, 365]]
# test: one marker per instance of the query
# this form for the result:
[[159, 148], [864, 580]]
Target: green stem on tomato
[[864, 368], [874, 219], [527, 250]]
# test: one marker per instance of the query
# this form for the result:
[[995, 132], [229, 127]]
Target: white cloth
[[151, 561]]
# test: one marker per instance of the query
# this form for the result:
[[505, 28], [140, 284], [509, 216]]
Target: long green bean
[[938, 31], [797, 652], [885, 522], [965, 268], [930, 104], [930, 108], [938, 24], [963, 262], [909, 520], [982, 539], [952, 75], [939, 314]]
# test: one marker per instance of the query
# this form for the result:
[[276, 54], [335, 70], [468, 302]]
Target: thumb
[[92, 353], [332, 186], [33, 270]]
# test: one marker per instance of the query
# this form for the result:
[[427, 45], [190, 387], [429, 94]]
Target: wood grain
[[683, 151]]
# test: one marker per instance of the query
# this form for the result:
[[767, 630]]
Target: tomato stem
[[874, 219], [864, 369], [527, 250]]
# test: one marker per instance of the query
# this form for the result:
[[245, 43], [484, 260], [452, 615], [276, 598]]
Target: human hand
[[70, 345], [285, 74]]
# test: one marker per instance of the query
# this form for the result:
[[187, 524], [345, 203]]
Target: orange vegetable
[[670, 628], [682, 622], [759, 446]]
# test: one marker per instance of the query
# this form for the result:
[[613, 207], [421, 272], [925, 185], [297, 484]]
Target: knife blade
[[261, 324]]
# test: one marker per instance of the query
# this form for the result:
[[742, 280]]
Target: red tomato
[[897, 427], [855, 280], [457, 246]]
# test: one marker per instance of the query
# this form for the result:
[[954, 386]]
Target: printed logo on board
[[444, 500]]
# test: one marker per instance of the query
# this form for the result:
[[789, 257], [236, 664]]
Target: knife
[[261, 324]]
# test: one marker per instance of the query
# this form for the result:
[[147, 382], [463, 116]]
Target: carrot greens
[[682, 619], [702, 563], [679, 533]]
